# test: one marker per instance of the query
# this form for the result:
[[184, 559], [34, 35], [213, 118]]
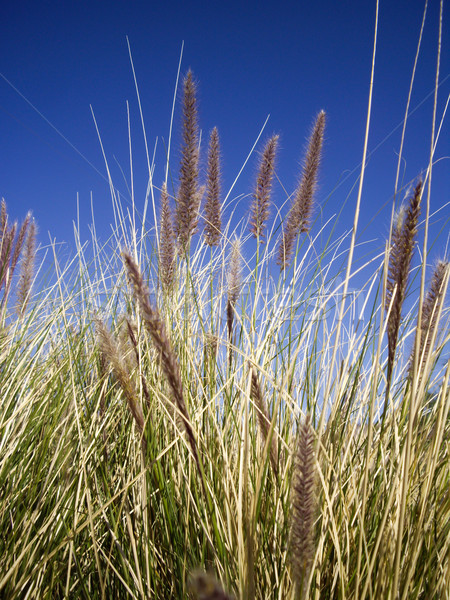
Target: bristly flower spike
[[299, 217], [303, 509], [261, 197], [430, 313], [188, 199], [27, 268], [402, 247], [167, 246], [213, 216], [234, 288]]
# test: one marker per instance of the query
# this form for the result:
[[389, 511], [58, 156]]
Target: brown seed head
[[430, 312], [213, 217], [299, 217], [402, 247], [157, 331], [27, 269], [261, 197], [167, 245], [188, 193], [303, 506]]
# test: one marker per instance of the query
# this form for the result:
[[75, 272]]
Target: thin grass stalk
[[149, 166], [354, 229], [409, 440], [438, 435], [369, 440]]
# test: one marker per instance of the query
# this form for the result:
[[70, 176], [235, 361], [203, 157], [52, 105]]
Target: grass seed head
[[188, 194], [167, 246], [261, 197], [299, 217], [213, 216]]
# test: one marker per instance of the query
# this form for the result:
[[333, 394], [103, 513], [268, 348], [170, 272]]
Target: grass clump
[[181, 418]]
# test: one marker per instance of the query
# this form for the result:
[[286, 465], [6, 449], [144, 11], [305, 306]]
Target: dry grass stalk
[[213, 216], [430, 312], [264, 418], [303, 509], [261, 197], [234, 287], [167, 246], [157, 331], [299, 217], [110, 350], [26, 269], [401, 252], [188, 194], [205, 586]]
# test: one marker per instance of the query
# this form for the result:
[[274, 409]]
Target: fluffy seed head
[[157, 331], [26, 269], [402, 247], [299, 217], [188, 194], [213, 217], [167, 246], [303, 506], [430, 312], [261, 197], [110, 351]]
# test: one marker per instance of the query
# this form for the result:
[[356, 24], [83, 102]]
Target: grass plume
[[303, 509], [402, 247], [213, 209], [188, 197], [26, 269], [259, 212], [234, 287], [299, 217], [157, 331], [430, 313], [110, 351], [167, 253], [11, 246]]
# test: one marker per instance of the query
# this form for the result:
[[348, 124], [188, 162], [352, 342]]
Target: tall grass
[[178, 420]]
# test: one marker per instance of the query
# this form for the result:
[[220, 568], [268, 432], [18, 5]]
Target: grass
[[245, 430]]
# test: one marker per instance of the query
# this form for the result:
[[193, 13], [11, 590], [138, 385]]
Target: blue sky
[[288, 59]]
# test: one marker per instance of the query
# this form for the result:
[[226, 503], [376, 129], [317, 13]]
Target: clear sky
[[251, 59]]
